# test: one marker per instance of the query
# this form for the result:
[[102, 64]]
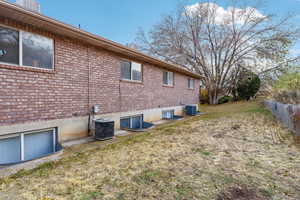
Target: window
[[133, 122], [26, 49], [27, 146], [168, 78], [10, 150], [168, 114], [131, 71], [191, 83], [37, 51], [9, 46]]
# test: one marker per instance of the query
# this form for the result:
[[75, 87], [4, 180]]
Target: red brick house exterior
[[84, 75]]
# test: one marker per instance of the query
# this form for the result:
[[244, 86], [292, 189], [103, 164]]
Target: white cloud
[[224, 16]]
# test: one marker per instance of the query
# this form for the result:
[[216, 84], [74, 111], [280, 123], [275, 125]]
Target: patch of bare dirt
[[241, 193]]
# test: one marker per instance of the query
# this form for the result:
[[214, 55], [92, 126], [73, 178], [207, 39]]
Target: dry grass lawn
[[235, 151]]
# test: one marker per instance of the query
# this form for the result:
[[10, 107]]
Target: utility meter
[[96, 109]]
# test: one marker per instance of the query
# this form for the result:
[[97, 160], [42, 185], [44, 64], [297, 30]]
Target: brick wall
[[32, 94]]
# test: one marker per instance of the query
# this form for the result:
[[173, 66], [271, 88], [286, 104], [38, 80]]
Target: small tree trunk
[[213, 98]]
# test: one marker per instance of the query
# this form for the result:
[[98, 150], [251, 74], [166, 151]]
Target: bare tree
[[217, 42]]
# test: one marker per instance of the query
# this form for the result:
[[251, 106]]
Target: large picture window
[[25, 49], [168, 78], [131, 71], [9, 46]]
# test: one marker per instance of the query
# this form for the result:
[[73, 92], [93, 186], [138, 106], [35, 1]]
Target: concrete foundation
[[77, 127]]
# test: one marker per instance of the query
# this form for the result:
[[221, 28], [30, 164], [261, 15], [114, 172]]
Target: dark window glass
[[165, 78], [125, 123], [9, 46], [136, 71], [191, 83], [37, 51], [125, 70], [137, 122]]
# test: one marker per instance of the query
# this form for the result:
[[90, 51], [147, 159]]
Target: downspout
[[89, 110], [120, 97]]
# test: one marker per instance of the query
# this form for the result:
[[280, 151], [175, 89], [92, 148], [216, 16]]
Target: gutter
[[16, 12]]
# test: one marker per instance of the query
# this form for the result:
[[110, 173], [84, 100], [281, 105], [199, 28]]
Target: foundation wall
[[77, 127]]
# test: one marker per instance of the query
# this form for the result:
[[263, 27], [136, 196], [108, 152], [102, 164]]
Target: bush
[[289, 81], [225, 99], [287, 89], [204, 98], [248, 85]]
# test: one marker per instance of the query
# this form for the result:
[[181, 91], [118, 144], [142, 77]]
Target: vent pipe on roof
[[31, 5]]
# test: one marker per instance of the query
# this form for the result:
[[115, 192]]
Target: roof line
[[105, 43]]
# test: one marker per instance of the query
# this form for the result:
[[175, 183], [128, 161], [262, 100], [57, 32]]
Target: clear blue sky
[[119, 20]]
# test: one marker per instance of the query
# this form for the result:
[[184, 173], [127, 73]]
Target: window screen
[[165, 78], [131, 71], [135, 122], [10, 150], [9, 46], [38, 144], [171, 78], [168, 114], [168, 78], [191, 83], [125, 70], [136, 71], [37, 51]]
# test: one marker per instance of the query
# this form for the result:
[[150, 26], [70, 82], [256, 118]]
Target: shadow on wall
[[287, 114]]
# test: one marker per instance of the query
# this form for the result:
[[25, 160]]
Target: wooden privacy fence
[[287, 114]]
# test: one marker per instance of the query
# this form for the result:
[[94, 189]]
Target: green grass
[[91, 196], [150, 176]]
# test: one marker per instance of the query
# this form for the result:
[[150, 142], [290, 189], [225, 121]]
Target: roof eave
[[15, 12]]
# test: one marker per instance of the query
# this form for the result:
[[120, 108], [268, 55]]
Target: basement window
[[132, 122], [27, 146], [168, 78], [26, 49], [131, 71], [191, 83], [168, 114]]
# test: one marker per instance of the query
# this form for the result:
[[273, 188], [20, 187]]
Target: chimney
[[30, 5]]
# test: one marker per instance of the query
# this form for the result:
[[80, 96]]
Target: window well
[[134, 123]]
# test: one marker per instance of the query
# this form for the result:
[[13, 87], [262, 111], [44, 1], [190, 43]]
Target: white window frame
[[21, 135], [131, 71], [189, 83], [21, 50], [169, 73]]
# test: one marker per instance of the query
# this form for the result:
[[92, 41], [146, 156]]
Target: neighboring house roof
[[18, 13]]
